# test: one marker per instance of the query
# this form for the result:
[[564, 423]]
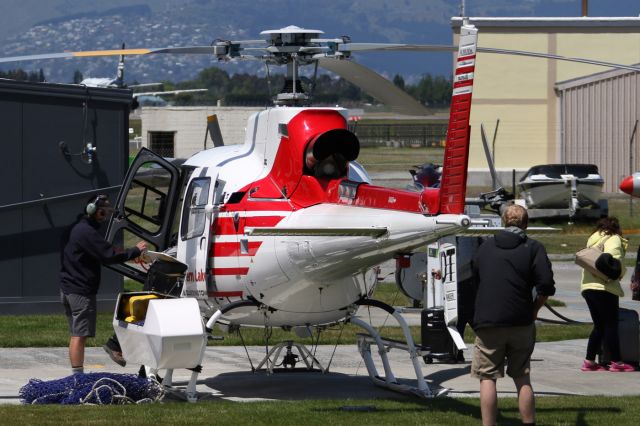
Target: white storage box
[[170, 335]]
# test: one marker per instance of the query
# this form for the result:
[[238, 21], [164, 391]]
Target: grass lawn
[[390, 159], [572, 238], [574, 410], [51, 331]]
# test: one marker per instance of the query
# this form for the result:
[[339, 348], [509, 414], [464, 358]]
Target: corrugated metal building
[[47, 182], [598, 114]]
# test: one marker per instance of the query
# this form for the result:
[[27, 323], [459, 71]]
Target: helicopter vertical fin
[[456, 155]]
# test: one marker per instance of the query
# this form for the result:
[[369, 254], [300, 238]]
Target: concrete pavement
[[226, 370]]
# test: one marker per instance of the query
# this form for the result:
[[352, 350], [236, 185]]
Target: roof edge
[[592, 78], [576, 21]]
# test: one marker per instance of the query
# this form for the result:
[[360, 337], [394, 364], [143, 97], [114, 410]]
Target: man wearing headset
[[85, 250]]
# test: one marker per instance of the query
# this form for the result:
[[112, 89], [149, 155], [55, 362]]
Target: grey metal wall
[[597, 118], [44, 191]]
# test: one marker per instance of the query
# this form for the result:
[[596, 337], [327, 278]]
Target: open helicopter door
[[145, 209], [195, 244], [440, 298]]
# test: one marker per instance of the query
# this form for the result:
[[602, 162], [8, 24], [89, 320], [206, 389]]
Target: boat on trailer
[[551, 186]]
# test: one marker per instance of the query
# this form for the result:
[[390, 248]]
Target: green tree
[[77, 77], [424, 89], [441, 91], [398, 80], [215, 80], [246, 89]]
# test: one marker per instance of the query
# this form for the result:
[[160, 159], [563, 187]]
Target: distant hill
[[36, 26]]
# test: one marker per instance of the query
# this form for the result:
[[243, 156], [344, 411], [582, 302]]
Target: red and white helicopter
[[285, 230]]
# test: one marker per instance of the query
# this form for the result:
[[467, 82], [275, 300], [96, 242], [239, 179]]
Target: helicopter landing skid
[[290, 358], [385, 345]]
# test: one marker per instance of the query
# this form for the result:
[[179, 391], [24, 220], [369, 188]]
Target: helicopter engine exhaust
[[327, 154]]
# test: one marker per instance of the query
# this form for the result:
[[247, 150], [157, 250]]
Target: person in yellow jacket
[[602, 295]]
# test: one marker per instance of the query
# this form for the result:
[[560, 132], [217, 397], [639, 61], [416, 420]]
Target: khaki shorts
[[494, 345]]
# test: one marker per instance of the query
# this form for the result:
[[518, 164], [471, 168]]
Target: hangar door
[[598, 114]]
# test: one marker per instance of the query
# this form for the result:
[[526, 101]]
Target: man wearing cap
[[507, 268], [85, 250]]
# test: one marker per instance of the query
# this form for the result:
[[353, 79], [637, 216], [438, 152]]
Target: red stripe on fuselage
[[386, 198], [233, 249], [225, 294], [229, 271]]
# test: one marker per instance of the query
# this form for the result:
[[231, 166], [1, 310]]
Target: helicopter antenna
[[266, 64], [312, 91], [120, 72], [294, 72]]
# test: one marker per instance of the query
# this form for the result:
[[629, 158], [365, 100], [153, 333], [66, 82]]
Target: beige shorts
[[495, 345]]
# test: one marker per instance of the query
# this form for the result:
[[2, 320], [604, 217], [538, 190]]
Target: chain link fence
[[397, 135], [162, 143]]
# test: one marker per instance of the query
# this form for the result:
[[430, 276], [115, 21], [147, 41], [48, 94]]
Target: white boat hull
[[552, 186], [557, 193]]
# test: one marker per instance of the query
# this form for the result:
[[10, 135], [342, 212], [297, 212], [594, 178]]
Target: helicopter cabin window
[[162, 143], [193, 215], [145, 203]]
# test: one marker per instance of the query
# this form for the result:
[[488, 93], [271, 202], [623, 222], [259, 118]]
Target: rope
[[267, 336], [244, 345], [344, 324], [315, 344], [92, 388], [564, 319], [393, 303]]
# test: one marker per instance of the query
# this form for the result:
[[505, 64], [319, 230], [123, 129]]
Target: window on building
[[162, 143]]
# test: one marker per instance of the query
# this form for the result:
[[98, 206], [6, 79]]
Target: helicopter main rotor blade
[[492, 169], [76, 54], [169, 92], [210, 50], [369, 47], [375, 85], [364, 47], [558, 58], [223, 49]]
